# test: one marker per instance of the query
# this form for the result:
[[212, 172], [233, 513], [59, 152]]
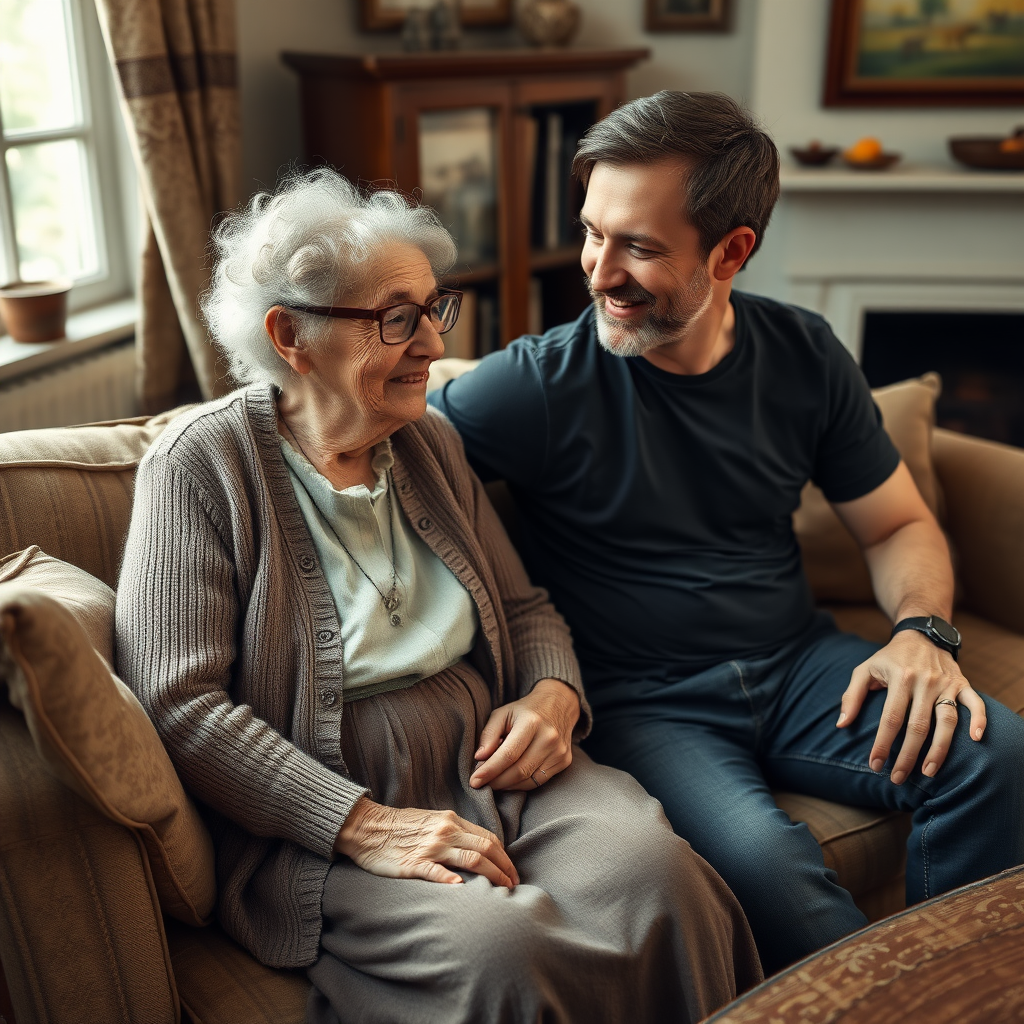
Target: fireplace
[[979, 355]]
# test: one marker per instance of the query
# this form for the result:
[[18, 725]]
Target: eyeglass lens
[[399, 323]]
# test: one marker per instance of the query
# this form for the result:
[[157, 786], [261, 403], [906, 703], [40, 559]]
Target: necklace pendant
[[396, 619], [392, 600]]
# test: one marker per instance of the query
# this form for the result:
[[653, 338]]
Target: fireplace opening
[[979, 355]]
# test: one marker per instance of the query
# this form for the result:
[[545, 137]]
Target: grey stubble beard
[[658, 327]]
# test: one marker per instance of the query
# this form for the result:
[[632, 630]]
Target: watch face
[[945, 631]]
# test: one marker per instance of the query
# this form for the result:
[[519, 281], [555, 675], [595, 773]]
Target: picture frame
[[920, 53], [688, 15], [377, 15]]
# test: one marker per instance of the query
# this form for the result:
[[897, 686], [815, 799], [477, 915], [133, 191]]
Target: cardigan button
[[325, 636], [328, 697], [306, 563], [425, 523]]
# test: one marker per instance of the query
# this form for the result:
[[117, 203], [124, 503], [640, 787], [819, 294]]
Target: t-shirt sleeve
[[855, 454], [500, 410]]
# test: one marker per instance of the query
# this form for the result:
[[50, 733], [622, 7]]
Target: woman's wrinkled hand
[[526, 743], [412, 843]]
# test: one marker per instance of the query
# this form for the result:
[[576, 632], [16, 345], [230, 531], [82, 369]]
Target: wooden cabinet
[[486, 137]]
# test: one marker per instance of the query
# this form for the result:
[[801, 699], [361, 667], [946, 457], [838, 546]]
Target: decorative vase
[[549, 23], [35, 311]]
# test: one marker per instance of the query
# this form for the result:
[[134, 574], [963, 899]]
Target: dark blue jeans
[[711, 746]]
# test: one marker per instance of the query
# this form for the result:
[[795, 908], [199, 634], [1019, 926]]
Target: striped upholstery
[[219, 983], [69, 490]]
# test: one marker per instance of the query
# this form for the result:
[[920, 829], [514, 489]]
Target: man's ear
[[731, 253], [280, 328]]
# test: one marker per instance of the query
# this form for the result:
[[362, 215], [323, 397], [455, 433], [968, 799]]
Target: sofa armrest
[[81, 935], [984, 488]]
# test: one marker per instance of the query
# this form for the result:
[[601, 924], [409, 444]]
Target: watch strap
[[923, 624]]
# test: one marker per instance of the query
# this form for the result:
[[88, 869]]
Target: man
[[656, 449]]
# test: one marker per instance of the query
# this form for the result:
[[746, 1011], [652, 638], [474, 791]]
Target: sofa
[[106, 872]]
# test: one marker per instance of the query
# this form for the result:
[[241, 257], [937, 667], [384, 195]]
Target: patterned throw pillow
[[56, 633]]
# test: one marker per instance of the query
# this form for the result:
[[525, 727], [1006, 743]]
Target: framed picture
[[916, 53], [390, 14], [687, 15]]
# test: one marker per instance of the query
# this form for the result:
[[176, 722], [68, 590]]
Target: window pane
[[52, 210], [36, 90]]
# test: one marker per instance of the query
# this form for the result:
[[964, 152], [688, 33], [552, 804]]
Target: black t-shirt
[[657, 507]]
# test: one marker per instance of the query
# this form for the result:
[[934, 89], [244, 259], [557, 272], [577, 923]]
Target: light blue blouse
[[437, 618]]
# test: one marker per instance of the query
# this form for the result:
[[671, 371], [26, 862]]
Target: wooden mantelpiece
[[361, 114]]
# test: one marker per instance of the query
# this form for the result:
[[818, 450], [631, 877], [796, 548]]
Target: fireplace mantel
[[906, 178], [843, 242]]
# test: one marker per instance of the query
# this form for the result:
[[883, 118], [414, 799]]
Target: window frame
[[108, 164]]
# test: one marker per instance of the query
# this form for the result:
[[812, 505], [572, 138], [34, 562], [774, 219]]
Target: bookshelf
[[487, 138]]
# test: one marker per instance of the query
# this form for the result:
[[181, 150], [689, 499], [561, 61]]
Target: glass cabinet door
[[458, 156]]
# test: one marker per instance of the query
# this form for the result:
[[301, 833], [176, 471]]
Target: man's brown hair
[[732, 165]]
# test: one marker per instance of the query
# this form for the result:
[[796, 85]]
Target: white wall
[[787, 80]]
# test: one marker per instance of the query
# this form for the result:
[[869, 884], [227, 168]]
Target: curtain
[[176, 68]]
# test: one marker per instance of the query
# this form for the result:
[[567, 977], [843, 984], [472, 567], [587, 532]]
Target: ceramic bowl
[[813, 156], [989, 152], [878, 163]]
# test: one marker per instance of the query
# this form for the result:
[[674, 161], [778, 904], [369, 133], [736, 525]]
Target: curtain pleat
[[176, 68]]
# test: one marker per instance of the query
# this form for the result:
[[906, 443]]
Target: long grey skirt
[[615, 917]]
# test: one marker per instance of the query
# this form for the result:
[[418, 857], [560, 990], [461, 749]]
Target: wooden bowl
[[813, 156], [879, 163], [983, 151]]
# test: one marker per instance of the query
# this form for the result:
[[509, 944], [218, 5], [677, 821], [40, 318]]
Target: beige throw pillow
[[832, 560], [88, 727]]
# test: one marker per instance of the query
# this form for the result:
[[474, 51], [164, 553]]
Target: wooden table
[[957, 958]]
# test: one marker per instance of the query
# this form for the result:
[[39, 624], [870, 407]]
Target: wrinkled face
[[382, 387], [642, 258]]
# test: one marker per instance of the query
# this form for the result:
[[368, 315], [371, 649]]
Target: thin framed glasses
[[398, 323]]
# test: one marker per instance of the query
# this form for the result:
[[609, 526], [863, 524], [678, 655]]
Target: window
[[62, 162]]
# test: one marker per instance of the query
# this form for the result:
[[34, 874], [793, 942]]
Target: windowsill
[[87, 331]]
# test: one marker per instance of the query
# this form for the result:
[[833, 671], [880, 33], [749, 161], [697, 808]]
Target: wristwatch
[[939, 631]]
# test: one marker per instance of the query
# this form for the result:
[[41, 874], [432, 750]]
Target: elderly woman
[[341, 650]]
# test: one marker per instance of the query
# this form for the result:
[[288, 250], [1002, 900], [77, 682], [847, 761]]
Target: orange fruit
[[1015, 144], [864, 151]]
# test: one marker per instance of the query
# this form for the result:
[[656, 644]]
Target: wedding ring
[[946, 700], [534, 777]]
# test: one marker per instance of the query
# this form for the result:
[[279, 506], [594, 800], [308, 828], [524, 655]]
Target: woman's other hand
[[529, 737], [412, 843]]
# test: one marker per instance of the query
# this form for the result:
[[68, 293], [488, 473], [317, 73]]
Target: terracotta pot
[[35, 311], [549, 23]]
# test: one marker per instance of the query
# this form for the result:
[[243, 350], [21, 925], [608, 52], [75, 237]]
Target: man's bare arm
[[911, 573]]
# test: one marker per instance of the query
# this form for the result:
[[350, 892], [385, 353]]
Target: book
[[461, 341]]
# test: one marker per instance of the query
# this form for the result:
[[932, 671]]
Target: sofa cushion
[[90, 600], [832, 560], [220, 983], [992, 658], [865, 847], [78, 509], [93, 734]]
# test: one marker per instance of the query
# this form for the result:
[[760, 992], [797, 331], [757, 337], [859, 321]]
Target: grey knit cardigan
[[228, 634]]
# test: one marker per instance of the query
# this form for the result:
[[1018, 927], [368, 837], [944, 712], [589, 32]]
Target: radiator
[[95, 387]]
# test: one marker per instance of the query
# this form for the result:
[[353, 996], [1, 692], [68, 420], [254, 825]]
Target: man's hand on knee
[[923, 683]]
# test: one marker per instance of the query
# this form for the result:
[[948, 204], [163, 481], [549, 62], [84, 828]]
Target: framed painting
[[687, 16], [915, 53], [390, 14]]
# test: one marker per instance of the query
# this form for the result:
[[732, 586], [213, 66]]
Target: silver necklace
[[392, 599]]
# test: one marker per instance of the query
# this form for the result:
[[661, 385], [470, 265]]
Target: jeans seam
[[833, 761], [924, 857], [750, 702]]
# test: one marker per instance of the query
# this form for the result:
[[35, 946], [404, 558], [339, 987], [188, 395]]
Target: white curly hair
[[309, 243]]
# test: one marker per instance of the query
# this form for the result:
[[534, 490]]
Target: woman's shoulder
[[219, 431]]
